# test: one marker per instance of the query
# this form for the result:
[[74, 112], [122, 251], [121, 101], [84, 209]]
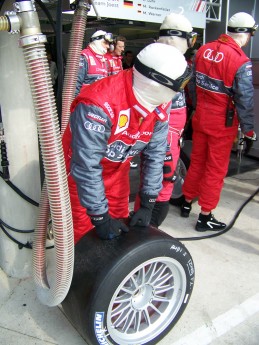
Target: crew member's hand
[[251, 135], [108, 228], [143, 215], [168, 168]]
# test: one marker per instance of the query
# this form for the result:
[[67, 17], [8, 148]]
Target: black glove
[[159, 213], [143, 215], [108, 228], [168, 168]]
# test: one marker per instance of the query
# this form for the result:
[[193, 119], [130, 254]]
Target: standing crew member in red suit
[[93, 64], [224, 98], [176, 31], [114, 54], [113, 120]]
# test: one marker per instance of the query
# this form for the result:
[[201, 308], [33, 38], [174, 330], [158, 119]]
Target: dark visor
[[243, 30], [190, 36], [173, 84]]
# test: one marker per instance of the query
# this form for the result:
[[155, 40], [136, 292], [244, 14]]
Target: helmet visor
[[243, 30], [190, 36], [173, 84], [108, 37]]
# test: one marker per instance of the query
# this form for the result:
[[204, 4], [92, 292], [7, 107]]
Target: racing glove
[[108, 228], [143, 215], [168, 168]]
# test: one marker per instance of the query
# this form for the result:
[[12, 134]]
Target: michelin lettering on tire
[[99, 329]]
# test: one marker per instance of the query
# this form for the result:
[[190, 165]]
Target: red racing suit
[[92, 66], [107, 128], [223, 80], [177, 121], [115, 63]]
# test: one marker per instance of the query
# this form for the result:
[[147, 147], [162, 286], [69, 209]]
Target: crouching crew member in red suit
[[112, 120], [224, 98]]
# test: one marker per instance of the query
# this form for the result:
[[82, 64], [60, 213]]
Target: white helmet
[[97, 40], [242, 22], [176, 30], [160, 71], [176, 21], [240, 27]]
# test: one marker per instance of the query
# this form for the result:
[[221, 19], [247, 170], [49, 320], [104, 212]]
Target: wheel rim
[[181, 172], [146, 301]]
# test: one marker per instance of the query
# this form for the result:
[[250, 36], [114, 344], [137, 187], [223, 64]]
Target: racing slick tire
[[130, 290]]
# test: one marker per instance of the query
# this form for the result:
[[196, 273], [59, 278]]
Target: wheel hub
[[142, 297]]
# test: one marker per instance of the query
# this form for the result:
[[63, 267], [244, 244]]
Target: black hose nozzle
[[4, 162]]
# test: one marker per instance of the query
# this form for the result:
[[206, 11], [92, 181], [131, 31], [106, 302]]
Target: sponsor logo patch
[[212, 55], [123, 121], [109, 109], [94, 127], [96, 117], [99, 330]]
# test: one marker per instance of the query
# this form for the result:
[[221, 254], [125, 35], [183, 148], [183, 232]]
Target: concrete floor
[[224, 306]]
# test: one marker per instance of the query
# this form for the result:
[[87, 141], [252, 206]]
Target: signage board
[[151, 10]]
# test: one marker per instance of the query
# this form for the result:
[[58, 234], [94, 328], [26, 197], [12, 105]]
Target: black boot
[[186, 209], [159, 213], [208, 222]]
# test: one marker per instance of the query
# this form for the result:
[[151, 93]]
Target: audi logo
[[94, 127], [212, 55]]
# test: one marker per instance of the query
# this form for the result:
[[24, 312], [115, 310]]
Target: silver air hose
[[55, 193]]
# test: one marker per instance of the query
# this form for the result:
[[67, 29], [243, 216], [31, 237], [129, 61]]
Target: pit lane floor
[[224, 306]]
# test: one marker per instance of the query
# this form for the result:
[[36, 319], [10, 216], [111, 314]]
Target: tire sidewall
[[107, 284]]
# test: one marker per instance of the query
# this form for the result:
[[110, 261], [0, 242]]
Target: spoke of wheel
[[155, 309], [134, 281], [123, 316], [137, 322], [121, 308], [163, 279], [123, 298], [158, 274], [146, 315], [161, 289], [128, 289], [161, 299], [128, 322], [151, 272], [142, 276]]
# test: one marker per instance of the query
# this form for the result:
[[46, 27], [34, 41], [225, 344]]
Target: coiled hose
[[55, 186], [62, 278], [74, 50]]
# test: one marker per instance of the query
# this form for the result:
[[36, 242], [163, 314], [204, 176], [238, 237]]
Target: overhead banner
[[151, 10]]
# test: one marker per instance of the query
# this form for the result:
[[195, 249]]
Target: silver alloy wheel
[[146, 301]]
